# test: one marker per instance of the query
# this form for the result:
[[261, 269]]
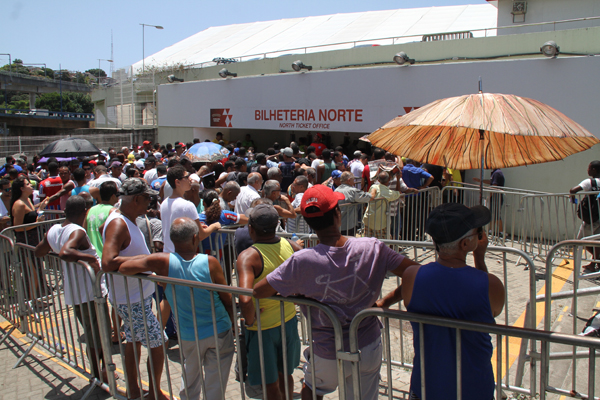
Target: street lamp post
[[143, 42], [9, 61], [101, 59]]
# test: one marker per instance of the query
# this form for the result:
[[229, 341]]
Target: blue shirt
[[217, 241], [158, 182], [79, 189], [413, 176], [196, 270], [460, 293]]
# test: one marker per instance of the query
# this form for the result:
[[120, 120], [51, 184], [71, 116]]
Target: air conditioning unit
[[519, 7]]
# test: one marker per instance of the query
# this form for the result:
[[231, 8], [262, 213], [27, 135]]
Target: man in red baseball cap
[[354, 269], [147, 147]]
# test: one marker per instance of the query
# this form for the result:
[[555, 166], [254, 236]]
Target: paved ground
[[44, 377]]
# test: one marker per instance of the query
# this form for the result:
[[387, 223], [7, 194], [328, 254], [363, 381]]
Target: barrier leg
[[26, 353], [94, 382], [6, 335]]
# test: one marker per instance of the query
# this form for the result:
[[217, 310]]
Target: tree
[[72, 102], [47, 72], [81, 78], [63, 75], [96, 72], [16, 67]]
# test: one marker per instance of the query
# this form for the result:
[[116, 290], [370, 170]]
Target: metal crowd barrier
[[33, 233], [502, 333], [35, 302], [11, 295], [551, 218], [173, 357]]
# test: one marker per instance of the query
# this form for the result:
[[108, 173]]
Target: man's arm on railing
[[396, 295], [43, 247], [157, 263], [70, 252], [246, 263]]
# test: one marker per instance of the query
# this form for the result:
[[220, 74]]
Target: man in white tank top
[[70, 241], [123, 240]]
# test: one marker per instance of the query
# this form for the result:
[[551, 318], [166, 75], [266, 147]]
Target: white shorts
[[326, 378], [586, 229]]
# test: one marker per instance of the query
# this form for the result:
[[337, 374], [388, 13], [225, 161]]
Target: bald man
[[186, 264]]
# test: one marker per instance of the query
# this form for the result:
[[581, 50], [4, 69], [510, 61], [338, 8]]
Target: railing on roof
[[380, 41], [447, 36], [37, 113]]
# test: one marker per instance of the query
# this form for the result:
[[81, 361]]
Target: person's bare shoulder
[[496, 293], [408, 281]]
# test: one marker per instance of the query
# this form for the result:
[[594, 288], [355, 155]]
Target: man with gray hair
[[350, 207], [274, 173], [248, 193], [311, 175], [297, 224], [272, 191], [230, 192], [450, 288], [215, 351]]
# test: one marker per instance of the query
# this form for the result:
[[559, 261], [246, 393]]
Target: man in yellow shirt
[[219, 138], [253, 264]]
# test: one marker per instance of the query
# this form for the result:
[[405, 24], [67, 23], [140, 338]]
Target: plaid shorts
[[380, 234], [155, 335]]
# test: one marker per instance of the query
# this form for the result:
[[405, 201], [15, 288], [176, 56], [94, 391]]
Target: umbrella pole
[[481, 143]]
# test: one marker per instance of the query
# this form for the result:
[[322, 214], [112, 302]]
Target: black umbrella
[[70, 147]]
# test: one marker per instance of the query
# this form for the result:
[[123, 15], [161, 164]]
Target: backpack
[[587, 211]]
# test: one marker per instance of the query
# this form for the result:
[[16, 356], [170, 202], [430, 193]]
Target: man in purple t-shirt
[[346, 274]]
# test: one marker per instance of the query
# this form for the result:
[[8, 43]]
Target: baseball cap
[[450, 221], [357, 154], [288, 152], [130, 158], [139, 164], [135, 186], [115, 164], [263, 218], [336, 174], [147, 142], [322, 197]]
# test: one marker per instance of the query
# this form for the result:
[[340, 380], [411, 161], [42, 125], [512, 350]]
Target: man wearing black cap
[[345, 273], [123, 240], [450, 288], [253, 264]]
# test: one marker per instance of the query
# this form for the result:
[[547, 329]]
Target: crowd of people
[[153, 210]]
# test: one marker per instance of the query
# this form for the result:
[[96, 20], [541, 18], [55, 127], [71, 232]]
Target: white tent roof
[[322, 33]]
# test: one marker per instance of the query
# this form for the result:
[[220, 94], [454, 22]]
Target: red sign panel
[[220, 117]]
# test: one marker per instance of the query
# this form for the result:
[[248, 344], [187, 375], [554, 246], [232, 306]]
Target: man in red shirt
[[50, 186], [366, 174], [319, 147]]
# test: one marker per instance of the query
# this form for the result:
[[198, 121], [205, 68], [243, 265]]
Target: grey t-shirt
[[152, 235]]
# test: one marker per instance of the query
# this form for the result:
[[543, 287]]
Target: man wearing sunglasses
[[450, 288]]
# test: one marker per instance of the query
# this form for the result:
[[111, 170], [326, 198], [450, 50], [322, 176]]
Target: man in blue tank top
[[450, 288], [216, 352]]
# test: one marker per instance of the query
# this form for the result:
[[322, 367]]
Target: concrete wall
[[546, 11], [169, 134]]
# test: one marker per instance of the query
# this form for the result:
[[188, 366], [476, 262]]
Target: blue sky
[[77, 33]]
